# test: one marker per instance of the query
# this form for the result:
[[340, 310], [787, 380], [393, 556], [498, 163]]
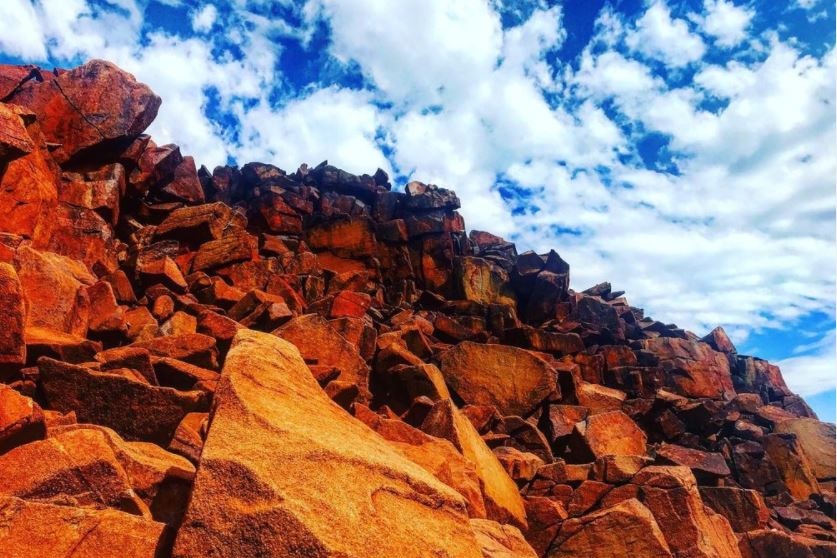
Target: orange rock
[[21, 419], [626, 530], [788, 456], [136, 410], [772, 543], [598, 398], [58, 530], [29, 192], [188, 438], [436, 455], [90, 106], [12, 318], [160, 478], [690, 528], [347, 239], [255, 474], [55, 344], [501, 541], [512, 380], [483, 281], [521, 466], [610, 433], [319, 343], [744, 509], [82, 234], [194, 348], [196, 224], [817, 441], [54, 288], [693, 369], [502, 499], [78, 464], [545, 515], [14, 139], [350, 304], [106, 316]]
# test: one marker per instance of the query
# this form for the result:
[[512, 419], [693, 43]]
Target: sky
[[684, 151]]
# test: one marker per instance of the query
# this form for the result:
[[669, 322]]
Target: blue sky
[[685, 151]]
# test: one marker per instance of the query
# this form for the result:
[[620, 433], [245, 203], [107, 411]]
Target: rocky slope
[[251, 362]]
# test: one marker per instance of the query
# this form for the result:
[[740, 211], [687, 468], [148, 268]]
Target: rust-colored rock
[[501, 541], [610, 433], [817, 440], [270, 420], [91, 106], [21, 419], [626, 530], [744, 509], [511, 379], [12, 318]]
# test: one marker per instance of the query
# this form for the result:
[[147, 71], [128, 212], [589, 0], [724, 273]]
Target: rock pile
[[251, 362]]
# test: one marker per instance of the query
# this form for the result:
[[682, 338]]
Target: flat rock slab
[[286, 472]]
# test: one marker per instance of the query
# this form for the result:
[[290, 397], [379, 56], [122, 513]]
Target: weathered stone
[[702, 463], [693, 369], [344, 238], [198, 224], [90, 106], [789, 457], [502, 500], [690, 528], [610, 433], [14, 139], [744, 509], [545, 341], [521, 466], [501, 541], [21, 419], [136, 410], [626, 530], [598, 398], [12, 318], [194, 348], [58, 530], [484, 282], [437, 456], [271, 418], [511, 379], [817, 441]]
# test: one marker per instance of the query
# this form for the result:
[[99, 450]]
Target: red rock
[[106, 316], [128, 357], [501, 541], [744, 509], [693, 369], [83, 235], [194, 348], [12, 318], [626, 530], [55, 291], [343, 238], [230, 249], [189, 437], [702, 463], [771, 543], [817, 441], [199, 224], [184, 185], [482, 281], [598, 398], [521, 466], [319, 343], [14, 139], [350, 304], [544, 341], [793, 465], [610, 433], [545, 516], [510, 379], [719, 341], [690, 528], [21, 419], [562, 418], [136, 410], [90, 106], [57, 530], [100, 190]]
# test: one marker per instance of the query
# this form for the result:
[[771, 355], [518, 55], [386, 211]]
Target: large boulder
[[21, 419], [513, 380], [610, 433], [744, 509], [501, 541], [93, 105], [280, 457]]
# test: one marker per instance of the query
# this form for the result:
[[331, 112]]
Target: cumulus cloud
[[811, 373], [21, 33], [204, 18], [660, 36], [725, 21]]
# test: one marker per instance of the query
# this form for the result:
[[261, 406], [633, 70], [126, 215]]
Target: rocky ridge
[[251, 362]]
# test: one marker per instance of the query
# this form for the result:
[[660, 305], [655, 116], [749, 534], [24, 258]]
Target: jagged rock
[[693, 369], [792, 463], [502, 500], [744, 509], [701, 463], [58, 530], [501, 541], [14, 139], [626, 530], [12, 318], [610, 433], [136, 410], [21, 419], [91, 106], [817, 442], [270, 419], [510, 379]]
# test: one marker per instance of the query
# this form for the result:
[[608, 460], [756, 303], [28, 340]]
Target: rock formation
[[253, 362]]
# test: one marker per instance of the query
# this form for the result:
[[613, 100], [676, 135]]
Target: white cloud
[[725, 21], [658, 35], [20, 31], [812, 373], [204, 18]]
